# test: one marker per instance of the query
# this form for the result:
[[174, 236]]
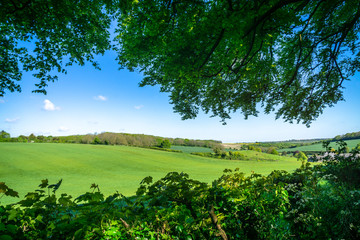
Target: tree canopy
[[49, 35], [290, 57]]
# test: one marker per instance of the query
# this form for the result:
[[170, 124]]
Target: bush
[[301, 156], [165, 144], [272, 151], [165, 149], [96, 140]]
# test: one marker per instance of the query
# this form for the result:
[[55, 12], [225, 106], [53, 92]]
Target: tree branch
[[213, 48], [262, 18], [215, 221]]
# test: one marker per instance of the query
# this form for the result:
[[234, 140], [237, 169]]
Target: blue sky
[[88, 101]]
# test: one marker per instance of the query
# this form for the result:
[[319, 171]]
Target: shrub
[[272, 151], [165, 144], [301, 156], [96, 140]]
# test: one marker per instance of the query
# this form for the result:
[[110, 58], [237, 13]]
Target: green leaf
[[56, 186], [11, 228], [11, 193], [13, 213], [44, 183], [5, 237], [2, 227]]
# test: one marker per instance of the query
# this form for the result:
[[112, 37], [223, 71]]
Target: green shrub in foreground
[[316, 202]]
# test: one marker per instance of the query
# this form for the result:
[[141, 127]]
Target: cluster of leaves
[[313, 202], [165, 144], [254, 148]]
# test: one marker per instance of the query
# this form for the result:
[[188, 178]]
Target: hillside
[[114, 168], [318, 147]]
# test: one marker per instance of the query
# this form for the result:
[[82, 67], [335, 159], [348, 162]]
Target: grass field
[[188, 149], [114, 168], [318, 147]]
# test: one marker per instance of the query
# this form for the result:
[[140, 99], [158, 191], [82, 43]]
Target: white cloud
[[100, 98], [139, 107], [49, 106], [11, 120], [63, 129], [2, 100]]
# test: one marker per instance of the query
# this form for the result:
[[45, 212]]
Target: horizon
[[87, 100], [166, 137]]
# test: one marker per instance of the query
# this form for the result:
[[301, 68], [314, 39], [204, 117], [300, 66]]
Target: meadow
[[190, 149], [318, 147], [113, 168]]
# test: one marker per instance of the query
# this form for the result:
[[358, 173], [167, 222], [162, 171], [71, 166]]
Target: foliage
[[165, 149], [254, 148], [250, 155], [218, 149], [109, 138], [46, 36], [301, 156], [310, 203], [347, 136], [291, 57], [283, 144], [96, 141], [3, 135], [357, 147], [318, 147], [272, 151], [165, 144]]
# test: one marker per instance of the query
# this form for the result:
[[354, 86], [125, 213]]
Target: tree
[[290, 57], [4, 134], [272, 150], [57, 33], [218, 149], [301, 156], [96, 140], [165, 144], [22, 138], [32, 137], [357, 147]]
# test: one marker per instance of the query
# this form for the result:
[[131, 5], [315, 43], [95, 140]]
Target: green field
[[114, 168], [318, 147], [188, 149]]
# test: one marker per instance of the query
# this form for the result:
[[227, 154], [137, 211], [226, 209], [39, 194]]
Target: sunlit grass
[[114, 168], [318, 147]]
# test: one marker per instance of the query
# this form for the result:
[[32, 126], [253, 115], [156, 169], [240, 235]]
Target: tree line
[[347, 136], [109, 138]]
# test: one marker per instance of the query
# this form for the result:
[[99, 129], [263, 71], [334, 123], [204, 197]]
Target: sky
[[87, 100]]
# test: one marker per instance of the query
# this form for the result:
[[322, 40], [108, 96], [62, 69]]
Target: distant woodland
[[109, 138], [347, 136]]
